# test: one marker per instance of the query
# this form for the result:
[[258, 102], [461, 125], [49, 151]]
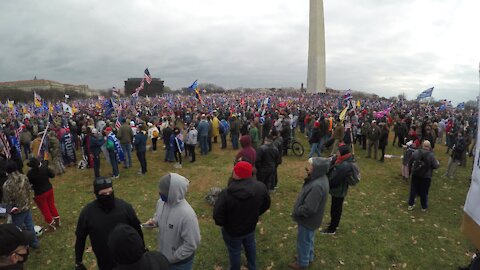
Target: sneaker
[[411, 207], [424, 210], [116, 176], [295, 265], [329, 232]]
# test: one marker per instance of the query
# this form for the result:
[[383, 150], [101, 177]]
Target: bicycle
[[296, 147]]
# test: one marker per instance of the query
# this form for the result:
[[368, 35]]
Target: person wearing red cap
[[237, 210]]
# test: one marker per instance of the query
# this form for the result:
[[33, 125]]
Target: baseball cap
[[11, 237]]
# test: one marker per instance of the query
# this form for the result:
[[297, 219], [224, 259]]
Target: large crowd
[[260, 126]]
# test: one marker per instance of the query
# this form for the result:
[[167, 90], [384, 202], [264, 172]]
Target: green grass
[[376, 230]]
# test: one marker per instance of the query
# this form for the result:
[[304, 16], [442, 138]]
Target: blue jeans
[[186, 265], [235, 140], [24, 220], [26, 149], [305, 244], [203, 145], [114, 162], [127, 149], [315, 149], [234, 246]]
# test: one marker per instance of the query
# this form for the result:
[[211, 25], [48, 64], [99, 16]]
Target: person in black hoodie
[[237, 210], [267, 160], [129, 252], [39, 176], [314, 140], [97, 220], [96, 142]]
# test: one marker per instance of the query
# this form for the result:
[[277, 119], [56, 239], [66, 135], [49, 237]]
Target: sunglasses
[[103, 181]]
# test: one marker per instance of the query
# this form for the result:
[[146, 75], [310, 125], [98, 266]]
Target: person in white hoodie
[[178, 230]]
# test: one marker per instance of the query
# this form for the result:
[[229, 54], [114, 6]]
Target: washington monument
[[316, 49]]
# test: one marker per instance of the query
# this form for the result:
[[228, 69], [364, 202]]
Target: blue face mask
[[163, 197]]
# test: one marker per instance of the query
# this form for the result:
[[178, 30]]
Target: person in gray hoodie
[[178, 231], [309, 209]]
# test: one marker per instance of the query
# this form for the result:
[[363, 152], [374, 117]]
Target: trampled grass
[[376, 230]]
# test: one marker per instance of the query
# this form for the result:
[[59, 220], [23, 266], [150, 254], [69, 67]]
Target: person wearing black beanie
[[128, 251], [97, 220]]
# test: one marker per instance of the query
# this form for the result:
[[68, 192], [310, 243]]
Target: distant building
[[41, 84], [152, 89]]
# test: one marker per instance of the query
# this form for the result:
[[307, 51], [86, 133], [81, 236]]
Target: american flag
[[117, 124], [18, 130], [6, 145], [115, 92], [147, 76]]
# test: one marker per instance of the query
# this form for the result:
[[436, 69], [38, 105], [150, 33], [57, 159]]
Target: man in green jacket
[[125, 135], [373, 136], [338, 178]]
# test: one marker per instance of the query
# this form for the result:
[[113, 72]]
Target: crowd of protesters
[[259, 126]]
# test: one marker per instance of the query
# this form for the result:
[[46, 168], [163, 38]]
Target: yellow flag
[[24, 110], [74, 110], [358, 103], [98, 105], [10, 104], [343, 114], [50, 107]]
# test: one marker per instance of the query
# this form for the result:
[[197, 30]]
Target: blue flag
[[426, 93], [461, 105], [193, 86], [109, 107]]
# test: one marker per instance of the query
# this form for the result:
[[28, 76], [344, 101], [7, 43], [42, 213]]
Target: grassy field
[[376, 230]]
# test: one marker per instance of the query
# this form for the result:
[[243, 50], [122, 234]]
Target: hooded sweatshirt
[[247, 153], [239, 206], [178, 231], [310, 205]]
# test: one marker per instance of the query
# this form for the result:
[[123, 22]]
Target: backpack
[[420, 165], [155, 133], [355, 177], [110, 145], [212, 195]]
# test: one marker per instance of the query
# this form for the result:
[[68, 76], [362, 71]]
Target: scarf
[[341, 159], [118, 147]]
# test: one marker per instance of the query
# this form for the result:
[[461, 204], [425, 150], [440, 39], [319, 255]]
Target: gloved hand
[[80, 266]]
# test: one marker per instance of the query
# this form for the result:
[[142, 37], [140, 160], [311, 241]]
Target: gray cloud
[[385, 47]]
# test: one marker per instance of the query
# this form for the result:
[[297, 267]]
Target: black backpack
[[420, 165]]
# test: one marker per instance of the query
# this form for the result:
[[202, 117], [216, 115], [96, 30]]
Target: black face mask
[[106, 202], [24, 256]]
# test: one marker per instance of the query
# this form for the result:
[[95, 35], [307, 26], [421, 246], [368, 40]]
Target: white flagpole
[[43, 137]]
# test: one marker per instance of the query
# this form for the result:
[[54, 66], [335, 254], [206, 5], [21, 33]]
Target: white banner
[[472, 203]]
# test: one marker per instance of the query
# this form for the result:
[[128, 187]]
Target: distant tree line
[[19, 95]]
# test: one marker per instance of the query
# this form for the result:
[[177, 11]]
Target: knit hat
[[243, 170], [125, 244], [11, 237], [101, 183], [108, 130], [344, 149], [11, 167]]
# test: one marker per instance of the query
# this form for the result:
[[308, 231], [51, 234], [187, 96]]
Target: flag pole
[[43, 137]]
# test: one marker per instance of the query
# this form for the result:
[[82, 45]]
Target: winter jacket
[[125, 134], [339, 132], [337, 177], [215, 124], [247, 153], [310, 205], [25, 137], [96, 143], [17, 191], [203, 128], [383, 142], [239, 206], [40, 179], [235, 126], [315, 137], [192, 137], [97, 223], [430, 160], [254, 136], [178, 231], [267, 159], [373, 133], [140, 142]]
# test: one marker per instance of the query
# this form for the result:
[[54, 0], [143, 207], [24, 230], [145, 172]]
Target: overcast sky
[[385, 47]]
